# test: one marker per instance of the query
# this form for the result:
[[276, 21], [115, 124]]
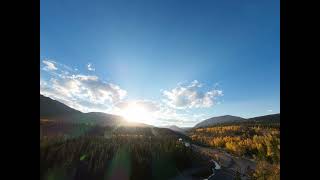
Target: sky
[[177, 61]]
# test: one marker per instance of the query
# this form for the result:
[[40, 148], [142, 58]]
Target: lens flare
[[136, 113]]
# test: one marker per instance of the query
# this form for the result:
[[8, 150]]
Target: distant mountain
[[219, 120], [272, 118], [58, 118], [267, 119], [54, 110], [175, 128], [186, 128]]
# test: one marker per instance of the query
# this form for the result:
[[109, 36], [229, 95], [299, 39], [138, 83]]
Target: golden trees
[[254, 141], [266, 171]]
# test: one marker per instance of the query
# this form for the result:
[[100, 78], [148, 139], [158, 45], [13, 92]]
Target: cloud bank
[[83, 92], [190, 96], [89, 93]]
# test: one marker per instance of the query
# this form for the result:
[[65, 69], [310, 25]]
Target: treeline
[[266, 171], [115, 153], [72, 130], [260, 143]]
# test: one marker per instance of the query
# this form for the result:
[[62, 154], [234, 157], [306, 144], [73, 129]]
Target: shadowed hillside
[[54, 110], [255, 139], [50, 108], [83, 146], [219, 120]]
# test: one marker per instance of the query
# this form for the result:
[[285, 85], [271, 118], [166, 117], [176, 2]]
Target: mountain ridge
[[270, 118], [218, 119], [51, 109], [175, 128]]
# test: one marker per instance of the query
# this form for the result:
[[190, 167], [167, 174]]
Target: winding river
[[216, 167]]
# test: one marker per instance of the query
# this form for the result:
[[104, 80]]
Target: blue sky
[[145, 48]]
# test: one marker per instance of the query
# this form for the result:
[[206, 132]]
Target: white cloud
[[175, 109], [90, 67], [89, 93], [269, 110], [158, 113], [190, 96], [49, 65], [82, 92]]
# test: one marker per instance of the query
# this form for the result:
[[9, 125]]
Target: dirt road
[[229, 164]]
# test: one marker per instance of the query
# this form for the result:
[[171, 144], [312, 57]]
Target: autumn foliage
[[255, 141]]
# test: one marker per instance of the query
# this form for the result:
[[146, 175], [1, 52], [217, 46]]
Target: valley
[[76, 145]]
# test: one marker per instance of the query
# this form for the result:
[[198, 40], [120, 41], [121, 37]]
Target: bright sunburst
[[136, 113]]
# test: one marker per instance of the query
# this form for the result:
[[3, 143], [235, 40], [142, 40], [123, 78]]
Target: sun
[[136, 113]]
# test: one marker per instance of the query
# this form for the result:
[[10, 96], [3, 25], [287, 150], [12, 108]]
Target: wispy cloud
[[49, 65], [190, 96], [90, 67]]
